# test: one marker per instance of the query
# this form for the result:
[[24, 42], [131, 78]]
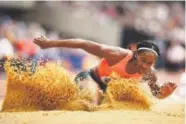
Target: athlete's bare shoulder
[[114, 54]]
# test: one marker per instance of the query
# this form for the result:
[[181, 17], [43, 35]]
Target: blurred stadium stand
[[24, 5]]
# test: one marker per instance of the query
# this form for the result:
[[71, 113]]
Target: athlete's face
[[145, 61]]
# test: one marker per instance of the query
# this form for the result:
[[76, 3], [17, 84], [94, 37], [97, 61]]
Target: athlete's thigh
[[85, 81]]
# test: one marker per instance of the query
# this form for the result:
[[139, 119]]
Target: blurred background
[[114, 23]]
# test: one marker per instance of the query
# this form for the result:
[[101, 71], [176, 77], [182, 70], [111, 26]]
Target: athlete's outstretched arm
[[112, 54], [159, 92]]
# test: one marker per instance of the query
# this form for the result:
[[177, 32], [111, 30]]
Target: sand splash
[[50, 87]]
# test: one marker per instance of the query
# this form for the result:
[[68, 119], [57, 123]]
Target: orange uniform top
[[120, 68]]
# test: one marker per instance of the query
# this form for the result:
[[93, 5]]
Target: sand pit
[[166, 114], [37, 95]]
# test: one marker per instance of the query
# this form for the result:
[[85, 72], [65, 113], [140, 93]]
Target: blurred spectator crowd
[[164, 22], [16, 39]]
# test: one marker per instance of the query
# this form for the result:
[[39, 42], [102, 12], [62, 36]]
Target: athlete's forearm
[[155, 89], [163, 91], [68, 43], [89, 46], [151, 78]]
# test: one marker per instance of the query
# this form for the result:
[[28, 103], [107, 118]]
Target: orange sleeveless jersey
[[104, 69]]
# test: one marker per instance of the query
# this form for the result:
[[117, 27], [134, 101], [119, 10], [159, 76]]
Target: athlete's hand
[[42, 42], [167, 89]]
